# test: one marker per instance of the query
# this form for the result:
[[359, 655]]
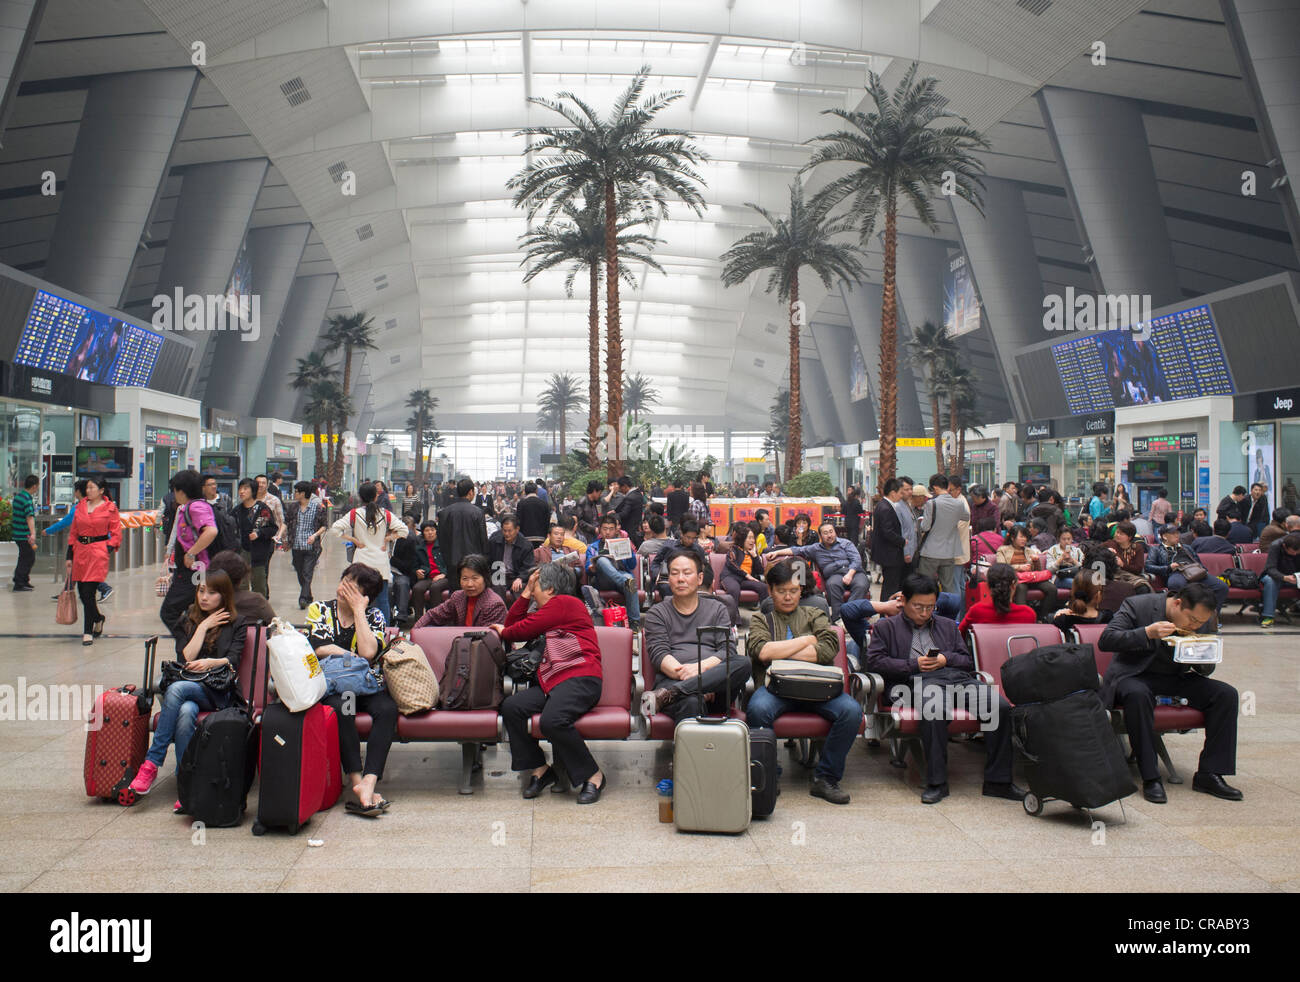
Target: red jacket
[[561, 612], [985, 613], [90, 560]]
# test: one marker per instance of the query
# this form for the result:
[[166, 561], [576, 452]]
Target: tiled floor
[[53, 838]]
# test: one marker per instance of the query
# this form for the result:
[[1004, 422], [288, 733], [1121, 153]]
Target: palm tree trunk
[[593, 365], [960, 430], [347, 371], [794, 442], [934, 419], [889, 350], [419, 447], [613, 335], [952, 428], [564, 422], [331, 451], [320, 450]]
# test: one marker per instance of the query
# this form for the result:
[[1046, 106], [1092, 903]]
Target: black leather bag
[[522, 663], [219, 679]]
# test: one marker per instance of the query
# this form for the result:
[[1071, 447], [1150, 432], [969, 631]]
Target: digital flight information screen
[[67, 337]]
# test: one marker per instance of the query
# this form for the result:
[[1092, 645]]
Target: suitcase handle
[[762, 774], [700, 632], [150, 656]]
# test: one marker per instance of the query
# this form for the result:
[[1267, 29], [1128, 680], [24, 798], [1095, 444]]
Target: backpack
[[472, 676], [227, 529], [1240, 579], [216, 772]]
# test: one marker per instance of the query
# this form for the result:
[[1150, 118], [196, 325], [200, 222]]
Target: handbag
[[219, 679], [409, 678], [1069, 572], [522, 663], [1194, 573], [66, 612], [350, 673], [299, 680], [563, 652], [790, 678], [1033, 576]]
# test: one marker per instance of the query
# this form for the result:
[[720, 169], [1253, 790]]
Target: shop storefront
[[1069, 454], [223, 447], [1270, 444], [277, 446], [162, 431], [1174, 446]]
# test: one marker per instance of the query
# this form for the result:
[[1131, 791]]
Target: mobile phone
[[933, 653]]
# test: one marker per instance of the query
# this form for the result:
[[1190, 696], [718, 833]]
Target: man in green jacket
[[801, 634], [23, 531]]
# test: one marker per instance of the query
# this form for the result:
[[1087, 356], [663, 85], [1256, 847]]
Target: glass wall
[[1077, 462], [20, 443]]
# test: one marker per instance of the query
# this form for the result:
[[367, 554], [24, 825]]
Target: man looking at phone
[[919, 650]]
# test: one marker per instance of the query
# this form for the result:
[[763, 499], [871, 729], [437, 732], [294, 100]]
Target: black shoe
[[98, 627], [23, 589], [303, 604], [539, 784], [934, 793], [1215, 785], [1008, 790], [1154, 792], [590, 794], [830, 791]]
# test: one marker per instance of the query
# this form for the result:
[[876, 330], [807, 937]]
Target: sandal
[[357, 808], [382, 804]]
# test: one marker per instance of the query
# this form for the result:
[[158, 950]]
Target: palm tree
[[805, 237], [560, 398], [579, 242], [424, 403], [423, 439], [778, 432], [634, 164], [639, 394], [311, 371], [958, 382], [935, 350], [336, 408], [898, 153], [349, 332]]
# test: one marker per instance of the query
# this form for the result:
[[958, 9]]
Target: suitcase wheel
[[293, 829], [259, 828], [1033, 804], [126, 797]]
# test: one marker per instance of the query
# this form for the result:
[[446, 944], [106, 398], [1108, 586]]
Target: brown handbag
[[409, 678], [1194, 573], [66, 612]]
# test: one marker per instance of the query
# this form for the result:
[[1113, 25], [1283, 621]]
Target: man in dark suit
[[1233, 507], [1144, 668], [629, 509], [534, 515], [678, 501], [462, 527], [1216, 541], [887, 539]]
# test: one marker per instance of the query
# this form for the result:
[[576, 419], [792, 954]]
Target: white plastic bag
[[299, 680]]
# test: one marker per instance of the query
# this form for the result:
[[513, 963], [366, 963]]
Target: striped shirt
[[304, 524], [23, 509]]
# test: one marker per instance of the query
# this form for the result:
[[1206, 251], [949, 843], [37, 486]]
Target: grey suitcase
[[711, 767]]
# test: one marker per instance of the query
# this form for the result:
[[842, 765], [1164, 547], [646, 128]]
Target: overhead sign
[[1277, 403], [1169, 443], [915, 441], [1038, 431], [163, 436]]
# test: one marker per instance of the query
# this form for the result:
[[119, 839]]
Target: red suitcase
[[300, 772], [119, 736]]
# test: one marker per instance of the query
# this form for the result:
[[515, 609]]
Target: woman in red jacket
[[999, 609], [96, 530], [569, 683]]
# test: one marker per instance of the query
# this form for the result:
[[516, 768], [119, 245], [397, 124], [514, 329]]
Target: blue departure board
[[1181, 358], [66, 337]]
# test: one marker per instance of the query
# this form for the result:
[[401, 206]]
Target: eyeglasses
[[921, 608]]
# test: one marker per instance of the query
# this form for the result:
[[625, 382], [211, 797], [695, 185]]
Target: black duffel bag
[[1048, 672], [1070, 751]]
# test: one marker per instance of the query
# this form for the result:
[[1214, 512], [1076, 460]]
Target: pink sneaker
[[144, 778]]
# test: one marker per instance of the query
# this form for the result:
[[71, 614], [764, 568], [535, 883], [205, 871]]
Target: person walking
[[96, 532]]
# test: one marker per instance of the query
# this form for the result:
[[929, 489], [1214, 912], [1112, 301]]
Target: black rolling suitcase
[[762, 767], [1062, 731]]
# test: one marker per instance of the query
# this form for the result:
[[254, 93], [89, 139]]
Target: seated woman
[[1016, 550], [1131, 552], [352, 623], [1063, 558], [431, 582], [473, 605], [744, 565], [1084, 606], [569, 684], [210, 633], [999, 608]]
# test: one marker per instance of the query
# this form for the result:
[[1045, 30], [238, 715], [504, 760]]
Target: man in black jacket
[[629, 509], [887, 539], [1144, 668], [1233, 506], [1281, 572], [676, 505], [511, 555], [534, 514], [588, 512], [462, 527]]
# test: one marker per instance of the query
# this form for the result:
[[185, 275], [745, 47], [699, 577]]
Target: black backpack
[[1240, 579], [217, 770], [227, 530]]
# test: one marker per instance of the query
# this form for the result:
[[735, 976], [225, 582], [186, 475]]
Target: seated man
[[803, 634], [918, 650], [801, 569], [405, 562], [657, 541], [840, 564], [605, 573], [511, 556], [1168, 559], [1280, 573], [682, 687], [556, 549], [1144, 668], [691, 539], [1216, 541], [856, 614]]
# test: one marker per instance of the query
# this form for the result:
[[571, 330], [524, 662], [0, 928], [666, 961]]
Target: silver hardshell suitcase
[[711, 766]]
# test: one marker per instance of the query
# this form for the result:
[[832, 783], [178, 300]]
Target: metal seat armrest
[[866, 688]]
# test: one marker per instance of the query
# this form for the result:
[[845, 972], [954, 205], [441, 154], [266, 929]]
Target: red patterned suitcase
[[119, 736]]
